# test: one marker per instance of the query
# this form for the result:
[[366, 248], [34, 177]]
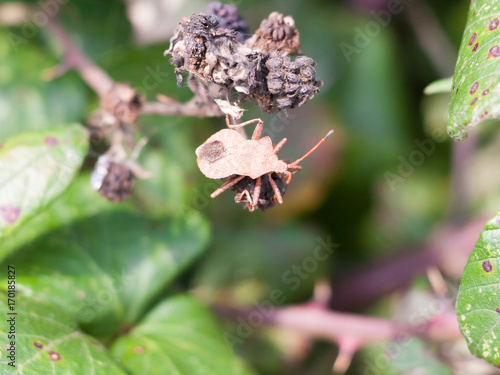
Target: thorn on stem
[[347, 348], [322, 292]]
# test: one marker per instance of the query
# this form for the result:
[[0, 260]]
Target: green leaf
[[47, 341], [170, 157], [270, 258], [179, 337], [35, 168], [474, 94], [441, 86], [478, 303], [28, 102], [79, 201], [412, 356], [108, 268]]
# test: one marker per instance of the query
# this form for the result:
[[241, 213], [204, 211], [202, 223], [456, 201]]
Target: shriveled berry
[[266, 75], [123, 102], [112, 180], [290, 83], [276, 33], [229, 18]]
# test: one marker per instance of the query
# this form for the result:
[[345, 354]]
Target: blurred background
[[388, 188]]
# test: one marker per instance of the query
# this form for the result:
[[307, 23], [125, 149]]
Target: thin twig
[[320, 323], [192, 108], [97, 79], [74, 58]]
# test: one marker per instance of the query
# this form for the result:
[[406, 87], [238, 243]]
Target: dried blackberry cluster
[[214, 54], [290, 83], [267, 198], [210, 53], [229, 18], [276, 33], [114, 173], [112, 180], [123, 102]]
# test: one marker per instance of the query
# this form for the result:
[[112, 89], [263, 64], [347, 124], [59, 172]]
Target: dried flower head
[[123, 102], [276, 33], [214, 55], [289, 83], [229, 18], [243, 192], [112, 180]]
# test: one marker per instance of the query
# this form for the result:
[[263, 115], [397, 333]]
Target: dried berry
[[229, 18], [276, 33], [243, 192], [214, 55], [123, 102], [112, 180], [210, 53], [289, 83]]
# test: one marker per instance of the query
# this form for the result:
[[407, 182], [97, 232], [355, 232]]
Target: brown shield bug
[[228, 154]]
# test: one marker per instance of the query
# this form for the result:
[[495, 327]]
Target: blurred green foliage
[[374, 103]]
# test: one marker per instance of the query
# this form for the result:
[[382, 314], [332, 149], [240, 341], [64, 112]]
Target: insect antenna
[[296, 162]]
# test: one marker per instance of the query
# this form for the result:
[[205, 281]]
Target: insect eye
[[211, 152]]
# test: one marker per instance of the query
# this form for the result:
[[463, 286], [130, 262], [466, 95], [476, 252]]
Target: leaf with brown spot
[[49, 341], [108, 268], [476, 70], [479, 295]]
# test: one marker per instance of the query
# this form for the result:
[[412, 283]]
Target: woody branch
[[350, 332], [318, 322], [447, 251], [15, 14]]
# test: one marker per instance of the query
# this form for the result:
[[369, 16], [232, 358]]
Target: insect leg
[[279, 145], [226, 186], [256, 193], [291, 170], [247, 194], [279, 198], [258, 129]]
